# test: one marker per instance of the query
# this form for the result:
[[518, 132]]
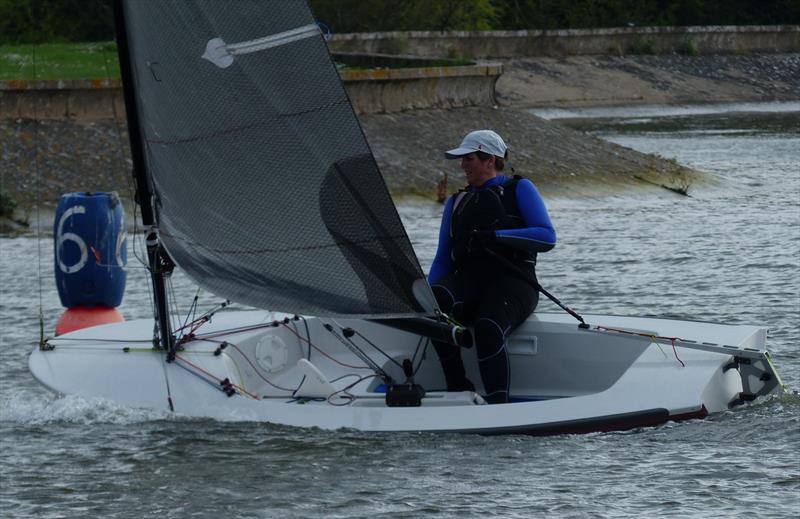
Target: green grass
[[59, 61]]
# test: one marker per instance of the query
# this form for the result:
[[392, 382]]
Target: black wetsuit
[[476, 289]]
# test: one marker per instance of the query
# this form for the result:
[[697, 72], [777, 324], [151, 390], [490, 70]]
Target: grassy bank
[[59, 61], [99, 60]]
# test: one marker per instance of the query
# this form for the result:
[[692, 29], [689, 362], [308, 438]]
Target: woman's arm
[[539, 235], [443, 262]]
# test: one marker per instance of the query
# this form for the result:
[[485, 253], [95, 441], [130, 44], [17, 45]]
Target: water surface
[[730, 252]]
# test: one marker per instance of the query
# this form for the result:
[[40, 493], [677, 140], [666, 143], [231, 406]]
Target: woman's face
[[477, 171]]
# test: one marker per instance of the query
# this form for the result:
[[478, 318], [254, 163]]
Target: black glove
[[479, 240]]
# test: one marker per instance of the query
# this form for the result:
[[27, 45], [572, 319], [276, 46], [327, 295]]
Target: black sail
[[265, 189]]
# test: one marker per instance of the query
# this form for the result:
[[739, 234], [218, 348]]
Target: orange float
[[80, 317]]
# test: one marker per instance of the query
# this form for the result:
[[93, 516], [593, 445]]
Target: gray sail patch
[[221, 54]]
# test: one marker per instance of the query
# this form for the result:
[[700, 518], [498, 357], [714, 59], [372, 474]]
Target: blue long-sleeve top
[[538, 235]]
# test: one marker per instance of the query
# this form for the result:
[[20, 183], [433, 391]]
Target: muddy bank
[[40, 161], [409, 148], [657, 79]]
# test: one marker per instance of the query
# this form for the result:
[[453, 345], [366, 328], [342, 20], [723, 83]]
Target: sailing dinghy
[[254, 177]]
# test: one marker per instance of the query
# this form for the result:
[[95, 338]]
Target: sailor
[[495, 215]]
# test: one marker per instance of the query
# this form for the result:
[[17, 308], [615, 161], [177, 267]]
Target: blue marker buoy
[[90, 257]]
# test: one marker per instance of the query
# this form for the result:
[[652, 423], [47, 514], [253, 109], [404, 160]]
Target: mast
[[161, 264]]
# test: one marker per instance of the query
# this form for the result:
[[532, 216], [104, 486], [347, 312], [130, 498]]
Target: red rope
[[673, 339], [322, 352], [218, 380], [256, 369]]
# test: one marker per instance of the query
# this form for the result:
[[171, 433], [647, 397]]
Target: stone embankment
[[649, 79]]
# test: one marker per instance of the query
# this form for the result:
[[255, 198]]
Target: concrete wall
[[396, 90], [370, 91], [58, 100], [625, 40]]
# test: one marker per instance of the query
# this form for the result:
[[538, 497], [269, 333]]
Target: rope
[[257, 370], [218, 380], [325, 354], [349, 398], [188, 339], [308, 336], [42, 339], [391, 359], [191, 313], [424, 351], [651, 336]]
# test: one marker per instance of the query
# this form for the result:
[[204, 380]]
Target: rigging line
[[324, 354], [337, 379], [354, 349], [350, 398], [650, 336], [38, 206], [134, 341], [255, 368], [196, 326], [424, 351], [219, 380], [308, 335], [372, 344], [535, 284], [675, 351], [234, 330], [299, 342], [169, 390], [176, 313], [193, 309], [198, 375], [172, 298], [300, 345], [116, 348], [197, 322], [210, 337], [271, 324]]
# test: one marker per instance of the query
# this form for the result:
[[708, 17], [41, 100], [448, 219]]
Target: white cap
[[486, 141]]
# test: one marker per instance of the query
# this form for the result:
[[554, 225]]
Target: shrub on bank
[[7, 204], [642, 46]]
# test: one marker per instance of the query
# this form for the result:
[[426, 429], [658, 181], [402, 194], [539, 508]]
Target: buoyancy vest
[[487, 209]]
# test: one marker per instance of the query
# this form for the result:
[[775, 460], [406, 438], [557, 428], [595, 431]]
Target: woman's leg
[[455, 296], [505, 304]]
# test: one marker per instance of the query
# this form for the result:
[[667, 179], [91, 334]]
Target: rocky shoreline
[[41, 160]]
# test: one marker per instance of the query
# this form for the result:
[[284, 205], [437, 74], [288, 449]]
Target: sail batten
[[266, 190]]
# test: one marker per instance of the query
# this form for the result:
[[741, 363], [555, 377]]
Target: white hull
[[564, 379]]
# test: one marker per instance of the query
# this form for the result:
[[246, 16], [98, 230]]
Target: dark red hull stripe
[[615, 422]]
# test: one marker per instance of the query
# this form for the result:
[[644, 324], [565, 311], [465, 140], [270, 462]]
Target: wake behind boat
[[254, 178]]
